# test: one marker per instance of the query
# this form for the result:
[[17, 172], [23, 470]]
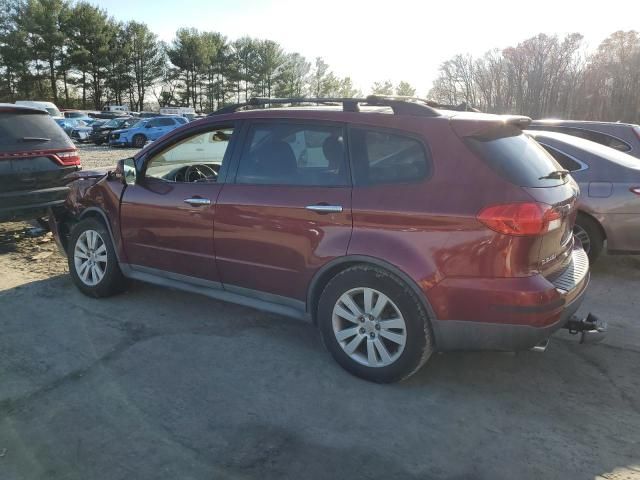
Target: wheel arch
[[585, 214], [332, 268], [97, 213]]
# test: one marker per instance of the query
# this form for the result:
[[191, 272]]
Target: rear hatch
[[548, 219], [35, 155]]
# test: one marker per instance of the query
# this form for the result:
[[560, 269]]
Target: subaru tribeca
[[398, 229]]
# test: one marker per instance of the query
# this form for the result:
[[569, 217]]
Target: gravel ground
[[94, 156]]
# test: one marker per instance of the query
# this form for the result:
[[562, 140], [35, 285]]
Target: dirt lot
[[156, 384]]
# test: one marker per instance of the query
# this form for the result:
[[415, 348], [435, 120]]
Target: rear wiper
[[555, 174], [35, 139]]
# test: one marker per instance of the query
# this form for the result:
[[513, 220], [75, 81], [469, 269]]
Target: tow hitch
[[591, 329]]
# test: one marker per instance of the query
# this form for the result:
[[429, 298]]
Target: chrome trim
[[325, 208], [197, 201]]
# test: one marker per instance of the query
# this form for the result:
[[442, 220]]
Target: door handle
[[324, 208], [198, 201]]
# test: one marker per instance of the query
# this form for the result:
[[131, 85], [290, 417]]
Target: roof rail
[[399, 105]]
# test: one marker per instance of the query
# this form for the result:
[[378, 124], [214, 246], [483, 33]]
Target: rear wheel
[[589, 233], [138, 140], [373, 324], [93, 264]]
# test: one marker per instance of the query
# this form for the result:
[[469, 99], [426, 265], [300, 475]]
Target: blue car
[[145, 130]]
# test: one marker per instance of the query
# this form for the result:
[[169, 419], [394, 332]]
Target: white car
[[47, 106]]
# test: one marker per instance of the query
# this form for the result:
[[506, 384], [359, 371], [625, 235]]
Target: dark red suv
[[399, 229]]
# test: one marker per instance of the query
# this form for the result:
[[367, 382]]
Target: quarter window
[[195, 159], [383, 157], [565, 161], [294, 154]]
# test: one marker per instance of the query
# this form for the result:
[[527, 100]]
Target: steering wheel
[[195, 173]]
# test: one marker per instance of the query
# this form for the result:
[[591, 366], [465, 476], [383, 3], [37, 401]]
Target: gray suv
[[624, 137]]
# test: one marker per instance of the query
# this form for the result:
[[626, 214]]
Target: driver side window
[[194, 159]]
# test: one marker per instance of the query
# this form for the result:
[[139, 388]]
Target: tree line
[[76, 55], [548, 76]]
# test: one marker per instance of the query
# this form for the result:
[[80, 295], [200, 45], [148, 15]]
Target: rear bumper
[[30, 204], [530, 317]]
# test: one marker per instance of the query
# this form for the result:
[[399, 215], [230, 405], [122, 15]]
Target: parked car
[[71, 125], [624, 137], [48, 107], [101, 131], [145, 130], [35, 156], [432, 231], [609, 205], [77, 115]]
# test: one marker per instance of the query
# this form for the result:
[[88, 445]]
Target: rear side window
[[294, 154], [384, 157], [597, 137], [565, 161], [30, 131], [518, 158]]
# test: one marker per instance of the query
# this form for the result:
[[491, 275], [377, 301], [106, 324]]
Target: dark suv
[[398, 229], [35, 156]]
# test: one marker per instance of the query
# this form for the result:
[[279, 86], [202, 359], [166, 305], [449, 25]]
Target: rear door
[[288, 211]]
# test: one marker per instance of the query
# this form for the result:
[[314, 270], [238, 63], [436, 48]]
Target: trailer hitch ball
[[591, 328]]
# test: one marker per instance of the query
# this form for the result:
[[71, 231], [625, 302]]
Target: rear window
[[518, 158], [30, 131]]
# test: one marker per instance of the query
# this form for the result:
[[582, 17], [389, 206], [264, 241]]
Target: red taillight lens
[[635, 190], [67, 158], [521, 219]]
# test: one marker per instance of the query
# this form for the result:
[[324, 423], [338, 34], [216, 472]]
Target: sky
[[392, 40]]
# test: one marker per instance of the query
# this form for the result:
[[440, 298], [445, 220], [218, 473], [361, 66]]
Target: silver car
[[609, 205], [624, 137]]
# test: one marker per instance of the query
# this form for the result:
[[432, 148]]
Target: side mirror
[[126, 171]]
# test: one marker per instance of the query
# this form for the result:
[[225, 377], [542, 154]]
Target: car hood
[[120, 131]]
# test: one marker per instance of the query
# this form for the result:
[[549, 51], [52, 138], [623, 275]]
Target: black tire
[[587, 226], [418, 345], [138, 140], [113, 281]]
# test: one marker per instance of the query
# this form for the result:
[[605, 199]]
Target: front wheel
[[374, 325], [93, 264], [138, 141]]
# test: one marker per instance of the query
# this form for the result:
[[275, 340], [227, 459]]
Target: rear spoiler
[[488, 126]]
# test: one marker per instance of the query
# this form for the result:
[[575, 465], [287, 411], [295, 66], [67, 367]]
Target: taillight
[[635, 190], [68, 157], [521, 219]]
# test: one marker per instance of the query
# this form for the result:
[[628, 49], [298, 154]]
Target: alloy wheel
[[369, 327], [90, 257]]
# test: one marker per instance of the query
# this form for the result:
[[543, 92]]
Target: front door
[[167, 216], [288, 211]]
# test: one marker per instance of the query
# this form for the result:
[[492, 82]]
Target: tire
[[105, 277], [367, 360], [590, 234], [138, 140]]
